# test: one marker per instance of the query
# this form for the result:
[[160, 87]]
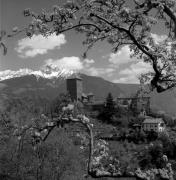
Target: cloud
[[127, 80], [53, 68], [88, 62], [132, 68], [132, 73], [158, 38], [72, 63], [75, 64], [137, 68], [69, 63], [121, 57], [31, 47], [93, 71]]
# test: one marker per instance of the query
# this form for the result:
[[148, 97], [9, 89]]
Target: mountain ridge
[[47, 72], [51, 88]]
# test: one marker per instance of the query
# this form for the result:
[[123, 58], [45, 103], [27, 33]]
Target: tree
[[34, 149], [100, 163], [22, 158], [109, 109], [120, 22], [55, 108]]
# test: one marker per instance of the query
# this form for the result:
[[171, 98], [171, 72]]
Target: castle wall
[[136, 104], [79, 89], [75, 88]]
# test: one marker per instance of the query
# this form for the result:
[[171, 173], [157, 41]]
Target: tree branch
[[129, 34], [151, 5], [79, 25]]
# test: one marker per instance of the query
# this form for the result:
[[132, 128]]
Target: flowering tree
[[100, 162], [120, 22]]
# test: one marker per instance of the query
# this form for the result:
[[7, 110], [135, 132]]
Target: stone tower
[[75, 87]]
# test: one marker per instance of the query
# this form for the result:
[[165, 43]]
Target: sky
[[65, 50]]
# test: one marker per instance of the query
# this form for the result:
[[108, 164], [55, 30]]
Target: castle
[[137, 104], [75, 89]]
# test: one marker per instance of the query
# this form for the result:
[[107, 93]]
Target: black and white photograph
[[87, 89]]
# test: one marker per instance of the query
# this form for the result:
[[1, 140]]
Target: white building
[[154, 124]]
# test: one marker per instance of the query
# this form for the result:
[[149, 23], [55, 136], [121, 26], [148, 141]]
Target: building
[[154, 124], [90, 97], [87, 98], [75, 87], [95, 106], [136, 104]]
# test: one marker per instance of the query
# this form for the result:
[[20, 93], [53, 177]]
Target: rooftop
[[150, 120], [84, 95], [75, 76], [90, 94]]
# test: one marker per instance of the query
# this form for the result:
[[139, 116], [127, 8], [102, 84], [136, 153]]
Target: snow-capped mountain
[[47, 72], [49, 83]]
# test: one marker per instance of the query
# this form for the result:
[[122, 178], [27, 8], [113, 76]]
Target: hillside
[[50, 88]]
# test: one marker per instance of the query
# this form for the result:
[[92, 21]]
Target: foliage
[[152, 156], [153, 174], [120, 23], [53, 159], [125, 153], [109, 109], [136, 136], [20, 158], [55, 107], [39, 150], [152, 136]]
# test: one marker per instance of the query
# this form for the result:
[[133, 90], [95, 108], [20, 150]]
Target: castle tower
[[75, 87]]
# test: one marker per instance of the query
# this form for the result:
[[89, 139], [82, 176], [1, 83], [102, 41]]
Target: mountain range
[[49, 87]]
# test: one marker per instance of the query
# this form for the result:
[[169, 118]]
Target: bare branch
[[80, 25]]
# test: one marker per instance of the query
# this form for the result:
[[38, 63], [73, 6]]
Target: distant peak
[[47, 72]]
